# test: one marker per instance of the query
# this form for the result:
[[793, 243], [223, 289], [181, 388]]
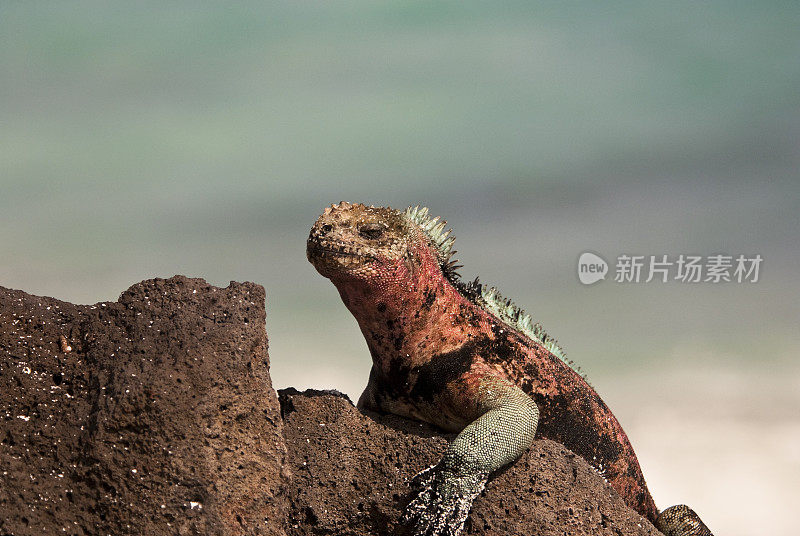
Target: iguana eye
[[370, 230]]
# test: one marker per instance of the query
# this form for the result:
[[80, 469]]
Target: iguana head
[[379, 256], [351, 241]]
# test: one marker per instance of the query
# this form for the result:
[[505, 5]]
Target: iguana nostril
[[326, 229]]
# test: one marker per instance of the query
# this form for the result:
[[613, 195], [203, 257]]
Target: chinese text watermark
[[683, 268]]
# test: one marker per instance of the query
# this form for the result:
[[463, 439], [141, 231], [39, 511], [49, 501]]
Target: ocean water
[[142, 140]]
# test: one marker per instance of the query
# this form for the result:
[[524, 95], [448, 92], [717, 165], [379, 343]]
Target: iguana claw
[[443, 501]]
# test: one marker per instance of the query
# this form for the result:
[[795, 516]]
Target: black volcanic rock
[[351, 471], [161, 419], [156, 415]]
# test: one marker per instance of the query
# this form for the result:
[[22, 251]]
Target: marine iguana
[[458, 355]]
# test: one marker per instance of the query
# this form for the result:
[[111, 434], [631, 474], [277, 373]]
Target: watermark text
[[683, 268]]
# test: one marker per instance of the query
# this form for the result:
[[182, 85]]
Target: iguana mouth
[[335, 249]]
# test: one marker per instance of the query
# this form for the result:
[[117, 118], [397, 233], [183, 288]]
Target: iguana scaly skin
[[461, 357]]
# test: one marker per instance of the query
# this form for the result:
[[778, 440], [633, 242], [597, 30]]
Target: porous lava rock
[[154, 414], [351, 476]]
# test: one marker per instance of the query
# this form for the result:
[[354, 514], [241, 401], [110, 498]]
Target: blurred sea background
[[147, 139]]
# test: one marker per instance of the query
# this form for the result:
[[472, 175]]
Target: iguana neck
[[404, 317]]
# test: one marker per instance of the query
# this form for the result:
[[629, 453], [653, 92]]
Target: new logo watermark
[[591, 268], [683, 268]]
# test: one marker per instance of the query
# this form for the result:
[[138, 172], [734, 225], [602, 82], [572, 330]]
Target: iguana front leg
[[504, 430]]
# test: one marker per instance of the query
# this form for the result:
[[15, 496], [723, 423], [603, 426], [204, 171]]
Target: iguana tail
[[681, 520]]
